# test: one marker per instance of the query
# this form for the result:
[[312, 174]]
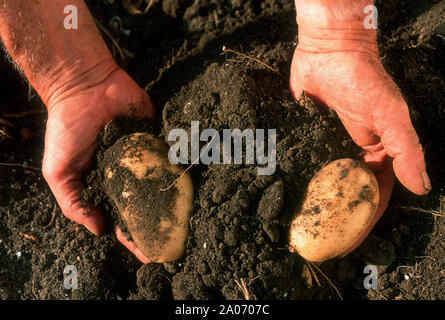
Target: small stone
[[272, 201], [273, 231], [222, 192]]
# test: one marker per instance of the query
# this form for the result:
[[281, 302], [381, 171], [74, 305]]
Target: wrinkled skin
[[348, 76], [71, 139]]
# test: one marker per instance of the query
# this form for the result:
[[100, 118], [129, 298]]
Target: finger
[[393, 124], [399, 139], [385, 179], [360, 134], [67, 191], [402, 144], [130, 245]]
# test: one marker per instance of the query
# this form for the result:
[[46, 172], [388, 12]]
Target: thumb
[[402, 144], [130, 245], [67, 190]]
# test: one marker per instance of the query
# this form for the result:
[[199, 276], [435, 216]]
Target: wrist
[[335, 25], [73, 78], [98, 102]]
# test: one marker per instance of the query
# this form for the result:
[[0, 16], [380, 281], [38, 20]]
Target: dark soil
[[239, 227]]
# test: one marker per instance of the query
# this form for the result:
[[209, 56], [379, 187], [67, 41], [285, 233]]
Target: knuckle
[[72, 211], [47, 172]]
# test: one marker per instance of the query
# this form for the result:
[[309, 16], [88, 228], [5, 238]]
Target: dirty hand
[[337, 64], [73, 126], [74, 73]]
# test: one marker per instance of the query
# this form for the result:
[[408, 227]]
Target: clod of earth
[[137, 173], [340, 203]]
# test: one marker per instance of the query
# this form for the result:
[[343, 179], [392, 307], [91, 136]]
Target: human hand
[[130, 245], [339, 66], [73, 126]]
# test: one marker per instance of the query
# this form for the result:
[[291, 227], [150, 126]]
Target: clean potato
[[339, 205], [139, 178]]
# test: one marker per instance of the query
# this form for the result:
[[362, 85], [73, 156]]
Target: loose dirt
[[239, 226]]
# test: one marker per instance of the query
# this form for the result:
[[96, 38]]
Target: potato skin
[[159, 225], [340, 202]]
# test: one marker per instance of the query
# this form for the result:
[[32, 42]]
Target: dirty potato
[[339, 205], [138, 177]]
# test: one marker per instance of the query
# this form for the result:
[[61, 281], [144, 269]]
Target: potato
[[136, 172], [340, 202]]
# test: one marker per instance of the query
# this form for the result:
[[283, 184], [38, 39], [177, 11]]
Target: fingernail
[[426, 181]]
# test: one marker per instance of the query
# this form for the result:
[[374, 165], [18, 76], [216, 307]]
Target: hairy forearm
[[333, 25], [332, 13], [57, 62]]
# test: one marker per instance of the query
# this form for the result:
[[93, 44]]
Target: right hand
[[73, 126], [337, 64]]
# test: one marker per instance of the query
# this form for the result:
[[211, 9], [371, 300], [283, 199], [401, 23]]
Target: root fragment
[[242, 286], [327, 279], [432, 212], [224, 49], [114, 41]]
